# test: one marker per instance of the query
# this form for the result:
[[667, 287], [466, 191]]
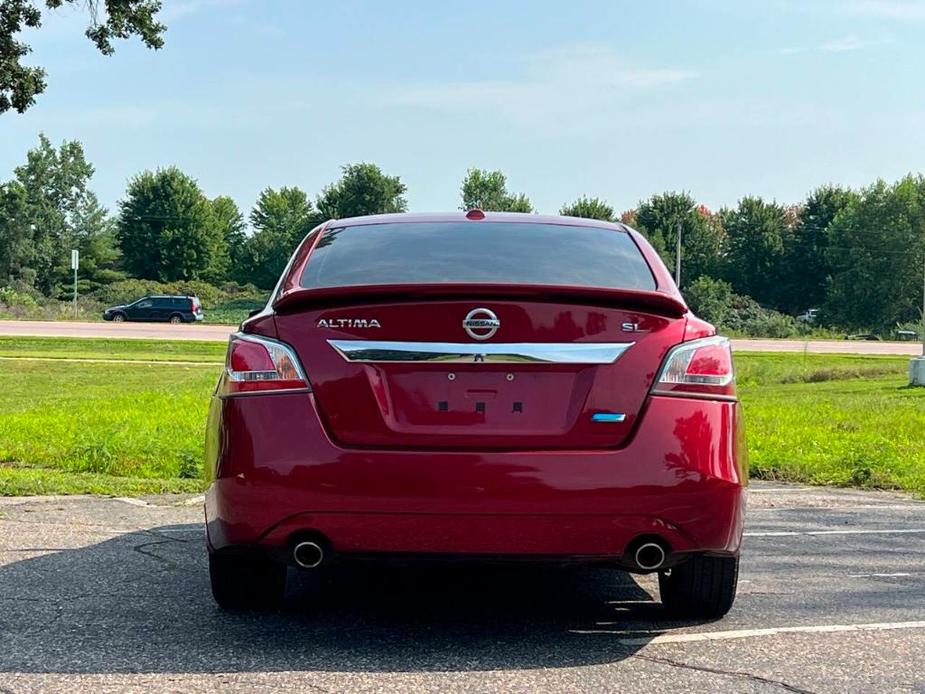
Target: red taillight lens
[[698, 368], [257, 364], [248, 357]]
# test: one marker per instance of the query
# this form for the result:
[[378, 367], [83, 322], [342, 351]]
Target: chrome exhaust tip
[[308, 555], [650, 556]]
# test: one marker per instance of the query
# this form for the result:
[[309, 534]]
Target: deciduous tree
[[109, 20], [16, 250], [167, 230], [63, 214], [758, 234], [701, 233], [362, 189], [487, 190], [589, 208], [281, 219], [876, 253], [230, 223], [806, 264]]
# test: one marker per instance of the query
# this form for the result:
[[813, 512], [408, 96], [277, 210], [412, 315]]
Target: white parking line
[[133, 502], [916, 506], [896, 575], [657, 638], [797, 533]]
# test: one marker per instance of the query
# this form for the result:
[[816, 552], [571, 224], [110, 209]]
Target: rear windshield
[[477, 252]]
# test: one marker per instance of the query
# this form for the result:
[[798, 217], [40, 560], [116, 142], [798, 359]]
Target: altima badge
[[480, 323], [348, 323]]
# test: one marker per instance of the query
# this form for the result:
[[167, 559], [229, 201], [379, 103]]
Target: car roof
[[509, 217]]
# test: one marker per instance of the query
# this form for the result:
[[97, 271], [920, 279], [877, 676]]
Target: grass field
[[130, 428], [137, 427], [100, 348]]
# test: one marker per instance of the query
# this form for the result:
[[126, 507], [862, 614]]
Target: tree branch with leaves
[[109, 20]]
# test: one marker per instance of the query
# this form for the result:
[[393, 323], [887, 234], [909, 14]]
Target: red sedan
[[477, 385]]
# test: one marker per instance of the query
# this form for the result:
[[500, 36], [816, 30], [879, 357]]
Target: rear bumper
[[681, 477]]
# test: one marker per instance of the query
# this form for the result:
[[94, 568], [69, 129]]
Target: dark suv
[[171, 309]]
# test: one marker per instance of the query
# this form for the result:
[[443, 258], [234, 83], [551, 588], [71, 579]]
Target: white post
[[917, 364], [75, 262]]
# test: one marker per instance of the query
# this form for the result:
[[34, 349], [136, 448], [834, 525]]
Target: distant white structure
[[917, 371]]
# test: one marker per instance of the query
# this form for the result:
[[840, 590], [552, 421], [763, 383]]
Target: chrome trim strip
[[466, 353], [252, 393]]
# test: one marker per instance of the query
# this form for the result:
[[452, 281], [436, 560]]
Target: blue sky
[[613, 99]]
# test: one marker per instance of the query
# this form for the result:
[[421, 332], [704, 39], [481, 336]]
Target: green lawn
[[124, 428], [132, 428], [104, 348], [862, 432]]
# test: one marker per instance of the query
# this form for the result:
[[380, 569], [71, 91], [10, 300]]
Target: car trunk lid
[[570, 373]]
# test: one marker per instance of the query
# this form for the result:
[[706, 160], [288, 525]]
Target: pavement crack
[[727, 673], [143, 549], [169, 538]]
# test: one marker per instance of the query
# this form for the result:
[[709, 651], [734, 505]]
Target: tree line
[[857, 255]]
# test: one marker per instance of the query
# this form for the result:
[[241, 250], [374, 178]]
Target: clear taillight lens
[[259, 364], [699, 368]]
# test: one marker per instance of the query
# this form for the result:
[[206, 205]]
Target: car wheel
[[244, 582], [118, 318], [700, 587], [176, 319]]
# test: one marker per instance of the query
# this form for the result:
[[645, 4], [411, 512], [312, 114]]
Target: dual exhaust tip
[[650, 556], [308, 554]]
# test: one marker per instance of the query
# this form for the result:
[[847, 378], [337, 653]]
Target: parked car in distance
[[168, 309], [810, 315], [476, 386]]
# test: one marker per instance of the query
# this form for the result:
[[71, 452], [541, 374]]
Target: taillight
[[699, 368], [259, 364]]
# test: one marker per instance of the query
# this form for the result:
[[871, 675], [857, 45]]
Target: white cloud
[[849, 43], [174, 9], [559, 87], [845, 44], [903, 10]]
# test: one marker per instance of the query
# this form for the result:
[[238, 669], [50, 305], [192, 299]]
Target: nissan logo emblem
[[481, 324]]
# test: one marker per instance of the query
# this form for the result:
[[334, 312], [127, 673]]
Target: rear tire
[[246, 583], [176, 319], [702, 586]]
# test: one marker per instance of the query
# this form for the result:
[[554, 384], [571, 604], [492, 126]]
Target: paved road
[[220, 333], [156, 331], [110, 595]]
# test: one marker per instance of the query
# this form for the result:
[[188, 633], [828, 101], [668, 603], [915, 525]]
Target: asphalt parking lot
[[113, 594]]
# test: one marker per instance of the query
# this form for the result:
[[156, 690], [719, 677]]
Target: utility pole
[[917, 364], [75, 261], [677, 258]]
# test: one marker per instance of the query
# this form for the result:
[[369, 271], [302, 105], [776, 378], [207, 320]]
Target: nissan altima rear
[[476, 386]]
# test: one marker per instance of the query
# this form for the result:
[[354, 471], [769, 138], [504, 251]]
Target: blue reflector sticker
[[608, 417]]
